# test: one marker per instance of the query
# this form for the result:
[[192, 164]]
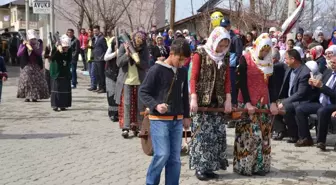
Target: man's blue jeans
[[74, 73], [92, 75], [0, 90], [167, 140]]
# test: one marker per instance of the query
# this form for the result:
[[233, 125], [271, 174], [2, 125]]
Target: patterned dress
[[252, 146]]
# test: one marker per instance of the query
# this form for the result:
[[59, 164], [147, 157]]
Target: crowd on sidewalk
[[187, 81]]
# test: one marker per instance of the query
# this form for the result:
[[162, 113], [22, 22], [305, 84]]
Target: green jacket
[[60, 64]]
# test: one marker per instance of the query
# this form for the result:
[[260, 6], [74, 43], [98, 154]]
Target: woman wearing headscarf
[[160, 51], [249, 40], [130, 76], [298, 39], [60, 74], [319, 38], [316, 54], [307, 39], [329, 53], [333, 38], [111, 73], [252, 147], [32, 83], [210, 88]]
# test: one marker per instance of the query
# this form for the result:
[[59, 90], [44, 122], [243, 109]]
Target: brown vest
[[210, 86]]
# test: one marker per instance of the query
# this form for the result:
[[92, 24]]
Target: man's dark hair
[[6, 30], [180, 47], [96, 27], [292, 41], [71, 30], [295, 54]]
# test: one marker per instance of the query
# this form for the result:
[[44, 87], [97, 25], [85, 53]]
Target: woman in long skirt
[[111, 74], [210, 88], [131, 74], [60, 75], [252, 146], [32, 83]]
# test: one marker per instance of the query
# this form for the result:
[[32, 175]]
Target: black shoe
[[55, 109], [34, 100], [125, 133], [321, 146], [280, 136], [201, 176], [211, 175], [224, 164], [260, 173], [115, 119], [27, 100], [101, 91], [292, 140], [92, 89], [63, 109]]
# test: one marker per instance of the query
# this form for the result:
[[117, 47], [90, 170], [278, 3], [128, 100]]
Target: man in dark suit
[[279, 127], [99, 50], [324, 107], [294, 91]]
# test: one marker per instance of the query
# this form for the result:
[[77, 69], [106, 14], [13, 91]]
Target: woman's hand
[[274, 109], [193, 103], [126, 45], [251, 109], [228, 106]]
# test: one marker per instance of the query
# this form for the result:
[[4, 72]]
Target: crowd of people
[[275, 82]]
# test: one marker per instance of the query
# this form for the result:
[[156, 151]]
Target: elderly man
[[325, 106]]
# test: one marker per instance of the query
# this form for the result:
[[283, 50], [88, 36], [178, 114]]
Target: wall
[[4, 12]]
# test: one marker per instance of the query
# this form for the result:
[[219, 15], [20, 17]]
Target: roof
[[15, 2], [182, 21], [210, 4]]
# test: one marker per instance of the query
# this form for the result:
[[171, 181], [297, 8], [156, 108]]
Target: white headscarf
[[65, 41], [266, 64], [332, 49], [299, 49], [216, 36], [313, 66], [31, 34]]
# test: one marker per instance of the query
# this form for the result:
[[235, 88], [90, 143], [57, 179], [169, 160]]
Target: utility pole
[[27, 14], [312, 12], [172, 14], [291, 9], [52, 16]]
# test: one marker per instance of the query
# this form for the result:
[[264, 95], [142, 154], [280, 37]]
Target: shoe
[[279, 136], [34, 100], [91, 89], [201, 176], [304, 142], [260, 173], [101, 91], [321, 146], [96, 90], [292, 140], [27, 100], [125, 134], [55, 109], [63, 109], [115, 119], [211, 175]]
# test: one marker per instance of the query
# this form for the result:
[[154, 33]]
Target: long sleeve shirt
[[3, 70]]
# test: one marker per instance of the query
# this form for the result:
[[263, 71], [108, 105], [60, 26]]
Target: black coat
[[330, 92], [279, 75], [301, 91], [99, 48]]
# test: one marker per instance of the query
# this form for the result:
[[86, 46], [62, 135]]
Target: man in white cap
[[61, 58]]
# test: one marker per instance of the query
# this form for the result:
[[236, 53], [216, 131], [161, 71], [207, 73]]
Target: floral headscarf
[[139, 35], [65, 41], [216, 36], [265, 64]]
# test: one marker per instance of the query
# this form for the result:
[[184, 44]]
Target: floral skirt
[[252, 146], [32, 83], [208, 148]]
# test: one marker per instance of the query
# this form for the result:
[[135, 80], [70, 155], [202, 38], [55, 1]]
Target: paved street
[[82, 146]]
